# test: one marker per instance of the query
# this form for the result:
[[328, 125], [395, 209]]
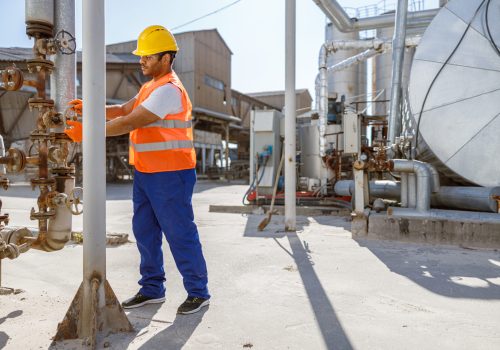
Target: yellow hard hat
[[155, 39]]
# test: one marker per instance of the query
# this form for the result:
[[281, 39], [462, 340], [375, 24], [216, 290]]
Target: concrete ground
[[314, 289]]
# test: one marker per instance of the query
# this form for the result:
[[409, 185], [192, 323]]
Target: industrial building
[[204, 65]]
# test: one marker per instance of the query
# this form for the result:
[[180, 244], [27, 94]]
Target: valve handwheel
[[74, 202], [66, 43]]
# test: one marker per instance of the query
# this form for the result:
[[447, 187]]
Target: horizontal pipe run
[[351, 61], [375, 43], [447, 215], [481, 199], [378, 189], [467, 198]]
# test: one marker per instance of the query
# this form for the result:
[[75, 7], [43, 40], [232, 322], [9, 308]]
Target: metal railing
[[408, 123], [384, 6]]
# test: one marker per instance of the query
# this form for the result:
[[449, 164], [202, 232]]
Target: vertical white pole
[[359, 192], [398, 55], [94, 153], [290, 147], [252, 146]]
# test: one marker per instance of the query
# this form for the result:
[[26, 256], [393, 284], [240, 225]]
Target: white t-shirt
[[164, 100]]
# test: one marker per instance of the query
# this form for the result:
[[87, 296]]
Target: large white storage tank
[[455, 92]]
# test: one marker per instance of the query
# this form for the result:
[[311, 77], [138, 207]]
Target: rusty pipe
[[13, 241]]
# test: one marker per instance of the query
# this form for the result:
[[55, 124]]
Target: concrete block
[[422, 230]]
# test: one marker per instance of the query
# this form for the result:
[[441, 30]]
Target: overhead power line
[[208, 14]]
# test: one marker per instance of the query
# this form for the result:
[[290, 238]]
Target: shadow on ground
[[328, 323], [176, 335], [4, 338], [449, 271]]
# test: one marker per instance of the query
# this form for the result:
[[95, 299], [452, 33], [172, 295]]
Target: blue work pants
[[162, 203]]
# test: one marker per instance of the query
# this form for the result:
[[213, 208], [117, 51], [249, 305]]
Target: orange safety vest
[[165, 145]]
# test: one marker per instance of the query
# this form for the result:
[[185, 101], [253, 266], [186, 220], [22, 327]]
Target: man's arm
[[137, 118], [115, 111]]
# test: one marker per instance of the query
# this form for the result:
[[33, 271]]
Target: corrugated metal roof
[[274, 93], [15, 54], [20, 54]]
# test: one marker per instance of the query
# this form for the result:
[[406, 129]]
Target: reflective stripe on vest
[[170, 124], [161, 146]]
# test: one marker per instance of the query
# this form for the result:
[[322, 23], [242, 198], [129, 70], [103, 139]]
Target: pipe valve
[[74, 201], [11, 78], [15, 160], [65, 42]]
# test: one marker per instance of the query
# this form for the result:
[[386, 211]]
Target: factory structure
[[221, 114], [402, 134], [408, 144]]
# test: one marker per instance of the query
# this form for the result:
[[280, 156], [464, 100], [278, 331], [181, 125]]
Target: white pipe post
[[290, 147], [252, 146], [398, 54], [94, 161]]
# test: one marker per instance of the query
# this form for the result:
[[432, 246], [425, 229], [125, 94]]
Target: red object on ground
[[252, 196]]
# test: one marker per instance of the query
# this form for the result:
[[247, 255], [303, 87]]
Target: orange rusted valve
[[17, 160], [11, 78]]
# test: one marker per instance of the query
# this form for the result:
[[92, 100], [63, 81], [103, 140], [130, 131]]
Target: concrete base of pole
[[109, 319], [7, 291], [359, 226]]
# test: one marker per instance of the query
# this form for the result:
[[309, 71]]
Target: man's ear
[[165, 58]]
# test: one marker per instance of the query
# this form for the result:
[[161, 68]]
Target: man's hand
[[75, 132], [76, 105]]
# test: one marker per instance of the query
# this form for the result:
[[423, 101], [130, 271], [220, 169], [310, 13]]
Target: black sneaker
[[139, 300], [192, 305]]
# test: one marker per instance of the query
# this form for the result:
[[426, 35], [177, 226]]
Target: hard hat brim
[[149, 52]]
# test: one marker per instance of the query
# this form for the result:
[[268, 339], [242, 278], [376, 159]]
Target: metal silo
[[344, 82]]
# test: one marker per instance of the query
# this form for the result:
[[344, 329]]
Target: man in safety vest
[[158, 119]]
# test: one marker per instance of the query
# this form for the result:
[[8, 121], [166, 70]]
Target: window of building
[[215, 83]]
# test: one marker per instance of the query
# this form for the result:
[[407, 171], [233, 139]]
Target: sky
[[254, 30]]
